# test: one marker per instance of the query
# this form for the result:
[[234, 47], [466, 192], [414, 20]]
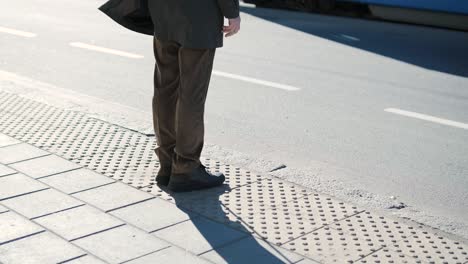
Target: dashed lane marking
[[105, 50], [256, 81], [429, 118], [17, 32]]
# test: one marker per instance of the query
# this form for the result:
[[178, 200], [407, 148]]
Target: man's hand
[[233, 28]]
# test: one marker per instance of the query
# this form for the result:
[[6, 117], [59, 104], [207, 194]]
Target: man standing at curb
[[186, 35]]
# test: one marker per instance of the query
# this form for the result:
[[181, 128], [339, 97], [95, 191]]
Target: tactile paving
[[40, 132], [380, 230], [93, 138], [300, 216], [331, 246], [139, 176], [387, 256], [23, 107], [256, 196], [431, 248], [113, 159]]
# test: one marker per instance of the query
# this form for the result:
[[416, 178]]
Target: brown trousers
[[181, 80]]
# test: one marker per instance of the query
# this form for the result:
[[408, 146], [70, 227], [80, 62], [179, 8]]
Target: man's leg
[[166, 86], [195, 67]]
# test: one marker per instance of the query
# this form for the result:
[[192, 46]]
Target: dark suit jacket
[[192, 23]]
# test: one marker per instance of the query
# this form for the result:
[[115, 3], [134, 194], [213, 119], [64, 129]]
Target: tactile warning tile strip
[[327, 245], [302, 216], [378, 229], [123, 158], [387, 256], [95, 137], [431, 248], [142, 176], [26, 108], [23, 107], [41, 132]]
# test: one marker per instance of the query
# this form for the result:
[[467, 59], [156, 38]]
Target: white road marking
[[105, 50], [17, 32], [427, 118], [256, 81]]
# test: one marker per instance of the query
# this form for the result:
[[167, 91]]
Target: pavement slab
[[3, 209], [44, 166], [19, 152], [14, 226], [4, 170], [153, 214], [172, 255], [78, 222], [18, 184], [41, 248], [6, 140], [86, 260], [41, 203], [204, 235], [112, 196], [76, 180], [121, 244]]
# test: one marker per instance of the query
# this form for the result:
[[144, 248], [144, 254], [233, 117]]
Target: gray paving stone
[[112, 196], [44, 166], [4, 170], [19, 152], [3, 209], [247, 249], [152, 215], [199, 235], [6, 140], [41, 248], [170, 255], [76, 180], [17, 184], [78, 222], [121, 244], [308, 261], [14, 226], [41, 203], [86, 260]]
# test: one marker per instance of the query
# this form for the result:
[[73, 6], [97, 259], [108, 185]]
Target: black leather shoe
[[164, 175], [197, 179]]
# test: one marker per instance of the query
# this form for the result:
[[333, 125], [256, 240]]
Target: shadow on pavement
[[431, 48], [244, 250]]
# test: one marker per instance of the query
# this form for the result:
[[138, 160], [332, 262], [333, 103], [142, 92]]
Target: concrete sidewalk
[[76, 189]]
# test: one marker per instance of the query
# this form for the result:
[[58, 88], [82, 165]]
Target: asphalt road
[[385, 104]]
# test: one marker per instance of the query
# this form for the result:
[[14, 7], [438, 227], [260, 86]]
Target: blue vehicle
[[444, 13]]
